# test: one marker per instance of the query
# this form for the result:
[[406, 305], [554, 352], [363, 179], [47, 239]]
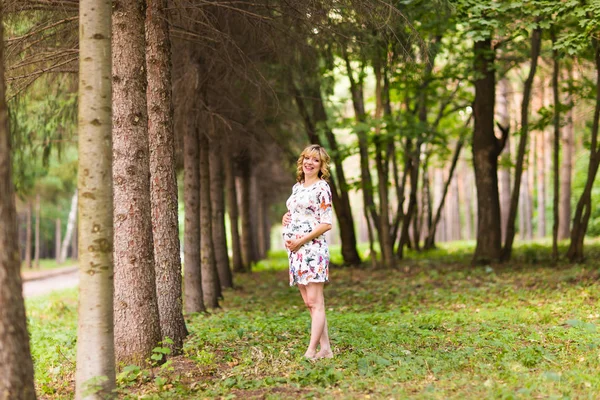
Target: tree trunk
[[566, 172], [555, 149], [70, 228], [232, 211], [16, 367], [584, 205], [95, 334], [163, 182], [217, 195], [211, 288], [193, 296], [247, 238], [536, 37], [503, 111], [486, 148], [36, 257], [57, 237], [137, 323], [430, 240], [28, 241], [74, 249], [541, 183], [261, 237], [467, 191]]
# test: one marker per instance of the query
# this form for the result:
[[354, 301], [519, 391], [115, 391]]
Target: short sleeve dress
[[309, 207]]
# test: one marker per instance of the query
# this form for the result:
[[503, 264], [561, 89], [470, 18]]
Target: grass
[[47, 264], [434, 328]]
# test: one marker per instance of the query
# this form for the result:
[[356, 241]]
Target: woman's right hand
[[287, 218]]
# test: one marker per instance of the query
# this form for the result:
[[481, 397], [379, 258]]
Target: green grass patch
[[46, 264], [434, 328]]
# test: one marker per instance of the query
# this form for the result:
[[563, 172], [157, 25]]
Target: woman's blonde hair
[[311, 151]]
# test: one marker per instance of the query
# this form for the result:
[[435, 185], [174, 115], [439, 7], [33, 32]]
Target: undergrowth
[[434, 328]]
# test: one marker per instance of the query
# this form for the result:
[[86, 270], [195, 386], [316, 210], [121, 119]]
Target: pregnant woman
[[309, 216]]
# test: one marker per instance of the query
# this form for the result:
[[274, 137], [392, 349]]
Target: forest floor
[[434, 328]]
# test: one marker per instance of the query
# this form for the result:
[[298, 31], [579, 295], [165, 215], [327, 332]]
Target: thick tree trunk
[[555, 149], [163, 182], [16, 367], [137, 324], [566, 172], [70, 228], [74, 249], [503, 112], [211, 288], [584, 205], [536, 38], [232, 211], [28, 239], [217, 195], [36, 256], [486, 149], [247, 238], [193, 296], [95, 334]]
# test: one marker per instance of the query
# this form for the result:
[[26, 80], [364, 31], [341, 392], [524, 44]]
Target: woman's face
[[311, 166]]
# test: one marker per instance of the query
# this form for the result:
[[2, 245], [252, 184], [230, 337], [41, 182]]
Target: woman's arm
[[295, 244]]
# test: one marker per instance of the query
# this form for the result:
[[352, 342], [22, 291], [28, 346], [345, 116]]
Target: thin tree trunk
[[193, 296], [536, 37], [70, 228], [28, 241], [137, 323], [541, 184], [217, 195], [57, 237], [584, 205], [211, 288], [232, 211], [503, 110], [430, 241], [247, 238], [74, 249], [486, 149], [163, 182], [556, 149], [36, 257], [566, 172], [16, 367], [95, 334]]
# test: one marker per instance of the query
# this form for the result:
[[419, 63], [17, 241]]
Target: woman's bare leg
[[316, 303]]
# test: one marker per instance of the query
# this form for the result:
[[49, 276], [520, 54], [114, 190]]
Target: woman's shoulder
[[323, 183]]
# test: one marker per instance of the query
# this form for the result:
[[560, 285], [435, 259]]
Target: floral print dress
[[309, 207]]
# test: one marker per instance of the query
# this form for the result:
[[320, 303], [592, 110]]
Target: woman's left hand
[[294, 244]]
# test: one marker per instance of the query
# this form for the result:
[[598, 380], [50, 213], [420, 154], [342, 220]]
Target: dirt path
[[43, 283]]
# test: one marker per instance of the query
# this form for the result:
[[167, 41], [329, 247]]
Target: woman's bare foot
[[310, 355], [324, 354]]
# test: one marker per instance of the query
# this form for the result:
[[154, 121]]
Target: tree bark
[[232, 211], [16, 367], [566, 172], [486, 149], [247, 238], [36, 254], [57, 237], [541, 183], [163, 182], [193, 296], [555, 149], [28, 241], [137, 324], [503, 111], [95, 333], [211, 288], [70, 228], [536, 37], [217, 195], [584, 205]]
